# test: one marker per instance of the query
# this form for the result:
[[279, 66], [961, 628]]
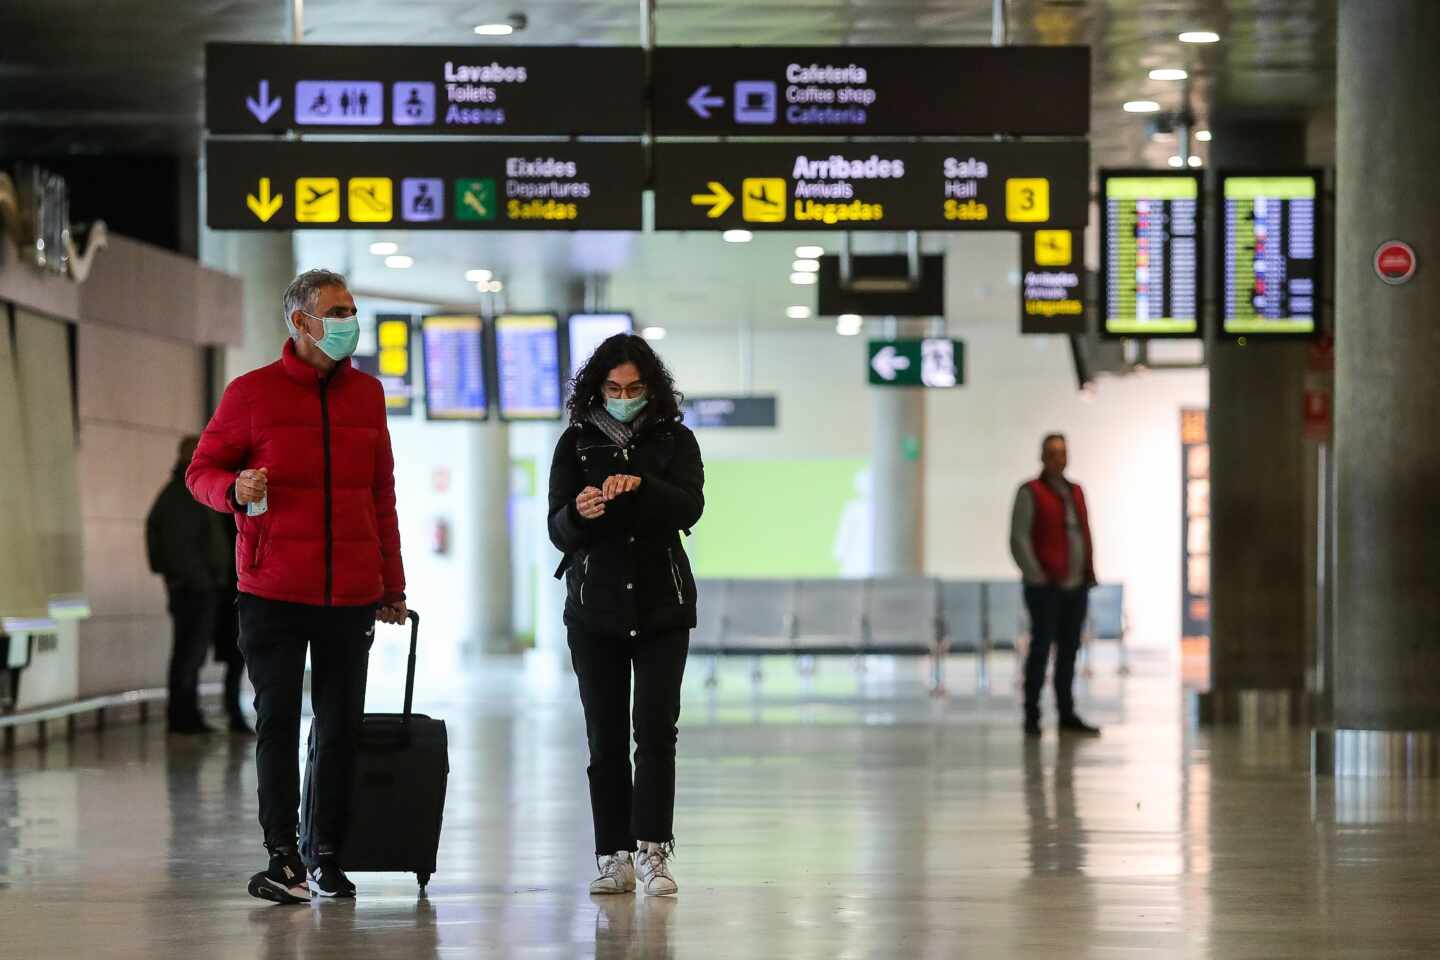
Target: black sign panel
[[391, 363], [1150, 255], [841, 186], [278, 185], [707, 412], [1052, 281], [881, 286], [474, 91], [872, 91], [1270, 253]]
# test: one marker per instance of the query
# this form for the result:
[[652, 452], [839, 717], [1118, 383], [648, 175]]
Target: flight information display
[[589, 330], [527, 355], [1150, 254], [454, 352], [1269, 250], [390, 364]]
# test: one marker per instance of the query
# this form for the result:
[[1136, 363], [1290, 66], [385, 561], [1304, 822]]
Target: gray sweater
[[1022, 547]]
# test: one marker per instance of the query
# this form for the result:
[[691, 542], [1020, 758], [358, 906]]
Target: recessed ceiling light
[[495, 29], [1202, 135], [809, 252], [1199, 36], [1168, 73], [478, 276], [1177, 161], [737, 236], [1141, 106], [1197, 161], [806, 266], [383, 248], [849, 324], [798, 313], [803, 279], [653, 333], [399, 261]]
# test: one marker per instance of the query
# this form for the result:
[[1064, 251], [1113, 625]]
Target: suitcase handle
[[410, 667]]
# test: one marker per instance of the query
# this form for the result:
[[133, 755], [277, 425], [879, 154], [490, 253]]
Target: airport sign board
[[464, 90], [286, 185], [929, 362], [1052, 281], [844, 186], [871, 91]]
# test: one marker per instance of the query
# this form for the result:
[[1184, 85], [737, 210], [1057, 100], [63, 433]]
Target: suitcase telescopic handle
[[410, 665]]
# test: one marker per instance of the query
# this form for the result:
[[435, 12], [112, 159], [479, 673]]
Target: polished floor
[[847, 816]]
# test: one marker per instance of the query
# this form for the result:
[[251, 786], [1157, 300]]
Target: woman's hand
[[590, 503], [620, 484]]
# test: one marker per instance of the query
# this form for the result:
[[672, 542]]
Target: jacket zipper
[[675, 575], [329, 506], [584, 575]]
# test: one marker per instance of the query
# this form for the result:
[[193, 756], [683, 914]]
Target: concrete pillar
[[493, 609], [1387, 664], [1261, 499], [265, 262], [898, 463]]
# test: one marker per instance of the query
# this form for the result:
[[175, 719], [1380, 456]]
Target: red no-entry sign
[[1395, 261]]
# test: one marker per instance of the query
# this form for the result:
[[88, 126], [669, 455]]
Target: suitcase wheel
[[424, 879]]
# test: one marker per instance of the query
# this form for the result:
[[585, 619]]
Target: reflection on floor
[[856, 818]]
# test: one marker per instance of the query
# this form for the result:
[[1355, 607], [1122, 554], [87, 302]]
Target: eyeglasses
[[631, 391]]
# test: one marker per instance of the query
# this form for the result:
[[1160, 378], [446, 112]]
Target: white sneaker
[[617, 874], [652, 870]]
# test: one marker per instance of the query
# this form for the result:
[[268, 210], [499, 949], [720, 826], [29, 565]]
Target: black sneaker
[[328, 880], [284, 882], [1078, 727], [1032, 729]]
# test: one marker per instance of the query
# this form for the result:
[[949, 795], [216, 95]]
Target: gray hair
[[303, 290]]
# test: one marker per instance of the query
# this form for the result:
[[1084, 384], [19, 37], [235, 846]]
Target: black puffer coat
[[626, 573]]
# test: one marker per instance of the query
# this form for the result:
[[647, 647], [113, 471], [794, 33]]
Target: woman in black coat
[[626, 481]]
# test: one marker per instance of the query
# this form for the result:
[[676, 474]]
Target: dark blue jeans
[[1057, 618]]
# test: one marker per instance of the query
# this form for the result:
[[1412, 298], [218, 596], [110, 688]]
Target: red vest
[[1048, 535]]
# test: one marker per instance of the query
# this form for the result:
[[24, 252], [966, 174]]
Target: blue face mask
[[625, 410], [342, 335]]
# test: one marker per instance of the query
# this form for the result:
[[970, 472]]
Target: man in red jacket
[[299, 453], [1050, 541]]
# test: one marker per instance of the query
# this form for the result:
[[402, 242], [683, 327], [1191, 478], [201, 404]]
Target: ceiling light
[[383, 248], [1199, 36], [490, 286], [1168, 73], [399, 261], [849, 324], [1141, 106], [1197, 161], [803, 279], [798, 313], [653, 333], [478, 276], [737, 236], [495, 29], [809, 252], [1177, 161], [1202, 135], [806, 266]]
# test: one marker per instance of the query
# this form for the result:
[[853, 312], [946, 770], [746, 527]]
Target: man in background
[[187, 545], [1050, 541]]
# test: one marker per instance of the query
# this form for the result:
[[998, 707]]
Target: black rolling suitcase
[[401, 768]]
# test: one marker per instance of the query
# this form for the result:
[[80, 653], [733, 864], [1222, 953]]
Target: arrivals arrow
[[700, 101], [718, 199], [888, 364], [264, 108], [264, 206]]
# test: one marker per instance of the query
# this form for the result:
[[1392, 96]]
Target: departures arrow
[[700, 101], [264, 108], [888, 364], [264, 206], [718, 199]]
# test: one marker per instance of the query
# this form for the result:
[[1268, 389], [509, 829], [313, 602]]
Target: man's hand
[[252, 486], [396, 613], [590, 503], [618, 485]]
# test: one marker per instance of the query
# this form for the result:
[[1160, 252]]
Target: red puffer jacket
[[330, 536]]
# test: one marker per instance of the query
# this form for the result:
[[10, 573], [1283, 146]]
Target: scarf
[[620, 433]]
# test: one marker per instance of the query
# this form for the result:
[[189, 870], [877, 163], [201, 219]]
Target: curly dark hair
[[587, 389]]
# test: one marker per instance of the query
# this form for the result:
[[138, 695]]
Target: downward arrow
[[264, 206], [700, 101], [264, 108]]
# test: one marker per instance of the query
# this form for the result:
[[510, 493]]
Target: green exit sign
[[931, 362]]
